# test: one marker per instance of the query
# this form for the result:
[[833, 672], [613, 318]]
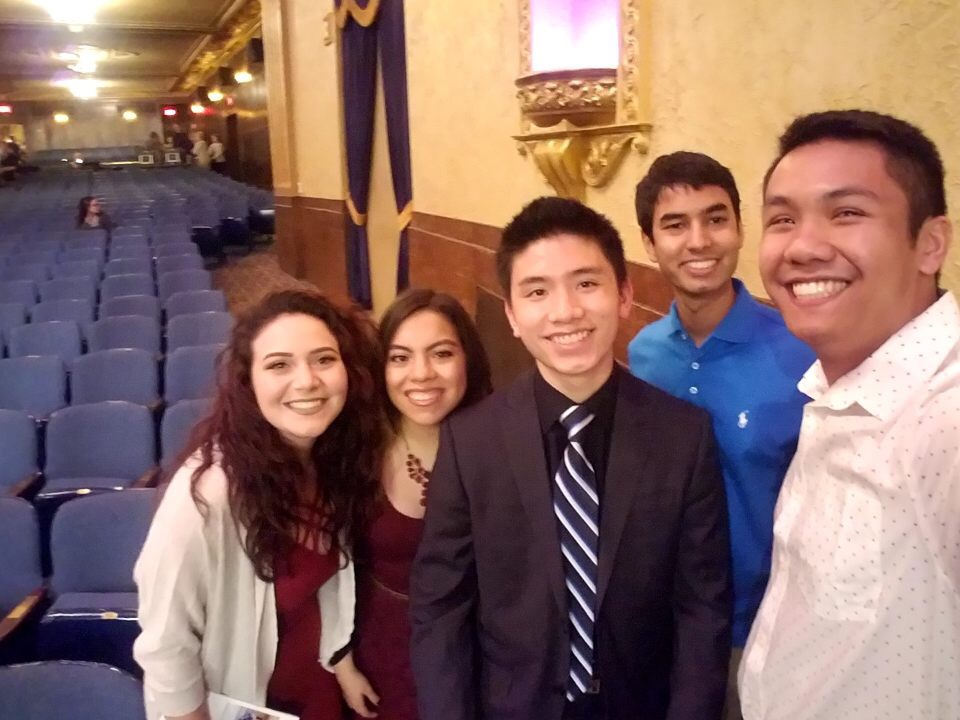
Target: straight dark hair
[[913, 161], [548, 217], [416, 300], [681, 169]]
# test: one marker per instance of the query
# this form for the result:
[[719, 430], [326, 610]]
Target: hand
[[355, 687]]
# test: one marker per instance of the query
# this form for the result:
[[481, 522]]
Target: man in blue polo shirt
[[722, 350]]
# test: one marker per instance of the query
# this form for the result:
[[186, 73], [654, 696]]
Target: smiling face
[[696, 239], [565, 305], [298, 377], [94, 207], [426, 372], [837, 256]]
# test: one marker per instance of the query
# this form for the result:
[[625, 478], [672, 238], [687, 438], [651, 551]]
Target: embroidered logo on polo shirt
[[742, 419]]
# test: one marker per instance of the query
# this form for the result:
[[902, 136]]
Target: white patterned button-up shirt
[[861, 617]]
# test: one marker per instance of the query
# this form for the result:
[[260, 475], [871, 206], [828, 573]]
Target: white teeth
[[818, 288], [702, 264], [570, 338], [305, 404], [423, 395]]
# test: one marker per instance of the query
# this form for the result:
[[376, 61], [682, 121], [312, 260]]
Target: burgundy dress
[[299, 683], [382, 650]]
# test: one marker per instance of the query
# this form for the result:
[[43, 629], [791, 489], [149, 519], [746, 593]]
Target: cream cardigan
[[208, 622]]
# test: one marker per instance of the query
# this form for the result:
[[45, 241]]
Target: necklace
[[417, 472]]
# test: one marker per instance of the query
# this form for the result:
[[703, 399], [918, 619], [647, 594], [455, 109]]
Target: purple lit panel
[[574, 34]]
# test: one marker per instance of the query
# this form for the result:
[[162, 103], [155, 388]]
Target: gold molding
[[573, 159], [363, 16], [578, 126], [222, 44], [526, 62], [584, 97]]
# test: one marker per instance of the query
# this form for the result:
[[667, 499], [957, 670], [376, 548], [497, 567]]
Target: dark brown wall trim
[[312, 242], [457, 257]]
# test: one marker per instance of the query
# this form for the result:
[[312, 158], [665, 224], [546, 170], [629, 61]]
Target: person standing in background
[[721, 350], [155, 147], [201, 151], [218, 158]]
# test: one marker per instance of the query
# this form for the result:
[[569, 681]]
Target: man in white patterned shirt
[[861, 617]]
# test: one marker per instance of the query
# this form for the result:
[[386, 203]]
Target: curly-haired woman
[[246, 580]]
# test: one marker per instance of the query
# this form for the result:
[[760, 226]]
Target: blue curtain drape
[[370, 30]]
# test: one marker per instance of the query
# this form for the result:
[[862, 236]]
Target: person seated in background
[[246, 580], [720, 349], [218, 158], [155, 147], [9, 160], [434, 363], [90, 215]]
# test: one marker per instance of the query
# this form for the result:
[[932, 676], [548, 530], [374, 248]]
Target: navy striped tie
[[577, 507]]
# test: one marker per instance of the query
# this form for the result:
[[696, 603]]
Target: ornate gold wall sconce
[[579, 124]]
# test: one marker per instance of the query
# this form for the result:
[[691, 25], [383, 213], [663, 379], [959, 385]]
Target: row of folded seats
[[70, 636], [108, 358]]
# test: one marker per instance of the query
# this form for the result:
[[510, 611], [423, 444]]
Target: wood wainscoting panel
[[323, 245], [286, 234], [457, 257], [311, 239]]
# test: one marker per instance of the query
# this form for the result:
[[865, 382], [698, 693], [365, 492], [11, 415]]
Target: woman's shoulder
[[211, 484]]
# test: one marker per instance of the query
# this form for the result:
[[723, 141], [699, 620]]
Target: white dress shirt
[[861, 617]]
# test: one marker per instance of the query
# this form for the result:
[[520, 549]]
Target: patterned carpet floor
[[247, 278]]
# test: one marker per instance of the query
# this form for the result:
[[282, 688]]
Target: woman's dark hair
[[413, 301], [264, 473], [82, 207]]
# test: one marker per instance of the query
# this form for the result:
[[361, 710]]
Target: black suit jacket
[[488, 599]]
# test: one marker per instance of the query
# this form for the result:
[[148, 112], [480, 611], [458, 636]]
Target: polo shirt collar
[[905, 362], [736, 327]]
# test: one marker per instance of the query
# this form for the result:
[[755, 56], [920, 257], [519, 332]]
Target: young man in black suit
[[575, 558]]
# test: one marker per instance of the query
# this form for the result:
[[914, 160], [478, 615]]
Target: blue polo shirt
[[745, 375]]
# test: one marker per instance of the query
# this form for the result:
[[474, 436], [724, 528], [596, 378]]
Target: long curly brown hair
[[264, 473]]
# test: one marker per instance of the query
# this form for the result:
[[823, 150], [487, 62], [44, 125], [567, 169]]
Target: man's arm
[[443, 595], [702, 596]]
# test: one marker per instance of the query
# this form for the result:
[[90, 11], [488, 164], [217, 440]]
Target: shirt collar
[[551, 403], [904, 363], [737, 325]]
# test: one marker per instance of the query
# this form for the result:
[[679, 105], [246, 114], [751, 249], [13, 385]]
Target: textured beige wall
[[314, 101], [727, 78]]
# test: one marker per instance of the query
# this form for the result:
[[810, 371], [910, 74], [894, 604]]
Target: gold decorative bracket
[[573, 159], [579, 125]]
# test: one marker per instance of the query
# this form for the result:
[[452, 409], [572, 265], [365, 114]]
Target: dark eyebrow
[[315, 351], [670, 217], [843, 192], [778, 200], [716, 207]]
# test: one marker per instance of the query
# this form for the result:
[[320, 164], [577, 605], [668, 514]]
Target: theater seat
[[94, 544], [98, 447], [21, 582], [18, 453], [55, 690]]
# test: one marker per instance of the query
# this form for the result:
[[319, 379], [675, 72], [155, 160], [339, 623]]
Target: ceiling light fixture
[[74, 13], [61, 118], [242, 76], [129, 115], [83, 88], [215, 96], [197, 109]]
